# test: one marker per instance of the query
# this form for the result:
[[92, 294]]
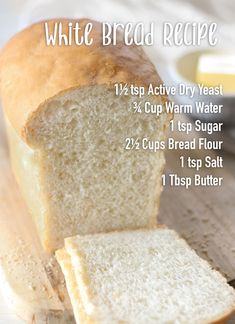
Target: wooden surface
[[35, 292], [205, 217]]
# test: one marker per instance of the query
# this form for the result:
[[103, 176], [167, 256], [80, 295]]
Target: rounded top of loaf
[[31, 72]]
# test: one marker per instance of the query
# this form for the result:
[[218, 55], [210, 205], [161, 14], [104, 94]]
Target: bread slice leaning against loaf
[[142, 276], [67, 133]]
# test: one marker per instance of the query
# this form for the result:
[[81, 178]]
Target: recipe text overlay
[[196, 141], [177, 34]]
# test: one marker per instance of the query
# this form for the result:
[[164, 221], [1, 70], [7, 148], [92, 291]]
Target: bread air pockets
[[142, 276]]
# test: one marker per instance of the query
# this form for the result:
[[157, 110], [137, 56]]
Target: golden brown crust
[[225, 318], [32, 73]]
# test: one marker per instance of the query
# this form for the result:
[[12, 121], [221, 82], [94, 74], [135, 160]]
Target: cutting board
[[204, 216], [32, 281]]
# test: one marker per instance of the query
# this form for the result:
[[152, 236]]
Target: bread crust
[[31, 72], [225, 318], [65, 262]]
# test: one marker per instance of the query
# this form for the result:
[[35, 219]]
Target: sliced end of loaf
[[89, 181], [146, 276]]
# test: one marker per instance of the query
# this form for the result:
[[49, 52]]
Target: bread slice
[[144, 276], [65, 262], [67, 132]]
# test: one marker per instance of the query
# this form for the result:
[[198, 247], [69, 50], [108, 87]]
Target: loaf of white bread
[[67, 132], [143, 276]]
